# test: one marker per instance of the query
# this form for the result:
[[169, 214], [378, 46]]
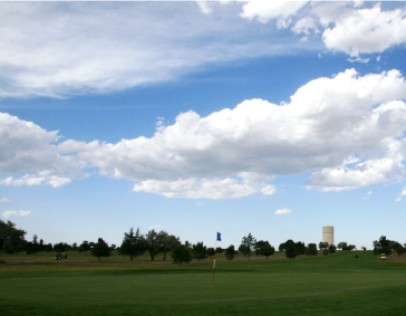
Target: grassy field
[[324, 285]]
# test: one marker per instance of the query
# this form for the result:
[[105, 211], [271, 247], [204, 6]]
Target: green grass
[[330, 285]]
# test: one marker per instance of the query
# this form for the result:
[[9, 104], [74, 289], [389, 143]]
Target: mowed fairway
[[331, 285]]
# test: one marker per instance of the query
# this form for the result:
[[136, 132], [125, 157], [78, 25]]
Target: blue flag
[[218, 236]]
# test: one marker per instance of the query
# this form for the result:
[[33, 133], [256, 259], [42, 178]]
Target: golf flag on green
[[218, 236]]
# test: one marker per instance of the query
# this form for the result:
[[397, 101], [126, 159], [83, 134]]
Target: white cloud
[[265, 11], [20, 213], [214, 189], [368, 30], [353, 27], [401, 195], [53, 49], [204, 6], [347, 130], [283, 211], [358, 60], [363, 174], [97, 47], [31, 155], [33, 180]]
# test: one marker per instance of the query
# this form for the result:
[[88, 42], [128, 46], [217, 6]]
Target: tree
[[230, 252], [199, 251], [61, 247], [181, 254], [264, 248], [290, 248], [311, 249], [101, 249], [211, 251], [167, 242], [300, 248], [32, 246], [332, 249], [153, 243], [133, 244], [397, 247], [351, 247], [247, 245], [84, 246], [342, 245], [382, 245], [11, 239], [323, 245]]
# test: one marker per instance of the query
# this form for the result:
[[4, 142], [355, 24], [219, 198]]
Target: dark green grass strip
[[336, 285]]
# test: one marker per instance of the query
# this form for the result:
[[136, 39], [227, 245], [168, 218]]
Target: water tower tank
[[328, 234]]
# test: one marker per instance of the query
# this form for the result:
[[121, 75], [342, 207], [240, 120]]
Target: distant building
[[328, 235]]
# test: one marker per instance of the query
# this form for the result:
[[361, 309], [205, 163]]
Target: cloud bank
[[67, 48], [345, 131]]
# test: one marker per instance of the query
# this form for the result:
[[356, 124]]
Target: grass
[[325, 285]]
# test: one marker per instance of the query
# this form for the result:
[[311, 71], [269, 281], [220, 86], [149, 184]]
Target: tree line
[[134, 244]]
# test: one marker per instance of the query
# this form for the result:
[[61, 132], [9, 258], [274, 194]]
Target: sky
[[273, 118]]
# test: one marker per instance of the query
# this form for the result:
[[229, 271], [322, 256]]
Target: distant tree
[[167, 242], [342, 245], [32, 246], [133, 244], [153, 243], [211, 251], [181, 254], [247, 245], [230, 252], [332, 249], [323, 245], [101, 249], [350, 247], [397, 247], [300, 248], [290, 248], [84, 246], [11, 239], [61, 247], [199, 251], [311, 249], [264, 248], [219, 250], [382, 245]]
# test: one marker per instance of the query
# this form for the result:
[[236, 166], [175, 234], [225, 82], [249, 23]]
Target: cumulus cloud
[[368, 30], [31, 155], [20, 213], [283, 211], [346, 130], [352, 27]]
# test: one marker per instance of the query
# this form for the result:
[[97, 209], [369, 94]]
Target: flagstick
[[214, 262]]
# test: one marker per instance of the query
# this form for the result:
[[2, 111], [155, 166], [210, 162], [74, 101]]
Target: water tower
[[328, 235]]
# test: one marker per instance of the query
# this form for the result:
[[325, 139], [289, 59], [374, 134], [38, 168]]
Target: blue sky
[[269, 117]]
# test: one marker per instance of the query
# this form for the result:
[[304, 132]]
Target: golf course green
[[338, 284]]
